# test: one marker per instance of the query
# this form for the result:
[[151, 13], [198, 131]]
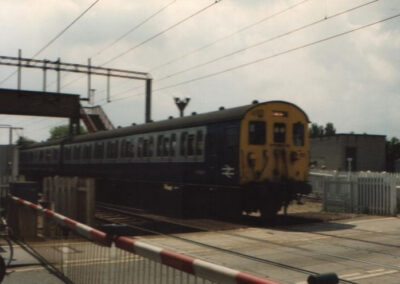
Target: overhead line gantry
[[88, 69]]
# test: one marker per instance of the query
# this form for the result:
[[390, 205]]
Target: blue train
[[222, 163]]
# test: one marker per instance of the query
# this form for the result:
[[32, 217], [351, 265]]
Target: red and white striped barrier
[[199, 268], [187, 264], [81, 229]]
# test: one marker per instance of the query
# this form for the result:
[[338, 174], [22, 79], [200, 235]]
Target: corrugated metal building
[[357, 152]]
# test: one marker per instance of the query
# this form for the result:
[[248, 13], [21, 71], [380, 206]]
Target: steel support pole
[[148, 100], [44, 76], [108, 86], [58, 75], [19, 68], [74, 126], [89, 78]]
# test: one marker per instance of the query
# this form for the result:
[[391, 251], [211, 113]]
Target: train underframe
[[197, 200], [200, 201]]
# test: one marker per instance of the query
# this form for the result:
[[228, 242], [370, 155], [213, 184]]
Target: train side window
[[145, 147], [112, 149], [199, 142], [76, 155], [159, 145], [257, 132], [183, 143], [131, 148], [173, 145], [48, 155], [298, 134], [151, 147], [55, 154], [140, 147], [166, 146], [99, 150], [279, 132], [116, 149], [67, 153], [89, 149], [190, 145], [41, 155], [123, 148], [87, 152]]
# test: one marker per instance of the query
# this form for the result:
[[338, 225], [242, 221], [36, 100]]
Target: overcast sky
[[351, 80]]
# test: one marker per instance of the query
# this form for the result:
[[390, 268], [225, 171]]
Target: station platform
[[25, 268]]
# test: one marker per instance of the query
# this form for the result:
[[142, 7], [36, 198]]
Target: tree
[[23, 141], [316, 130], [62, 131], [329, 129]]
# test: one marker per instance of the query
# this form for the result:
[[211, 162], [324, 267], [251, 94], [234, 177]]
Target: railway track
[[152, 225]]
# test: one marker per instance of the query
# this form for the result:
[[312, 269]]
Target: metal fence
[[358, 192], [86, 255]]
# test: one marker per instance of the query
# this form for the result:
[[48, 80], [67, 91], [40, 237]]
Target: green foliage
[[330, 129], [23, 141], [62, 131], [318, 130]]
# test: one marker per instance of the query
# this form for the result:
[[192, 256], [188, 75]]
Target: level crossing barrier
[[82, 254]]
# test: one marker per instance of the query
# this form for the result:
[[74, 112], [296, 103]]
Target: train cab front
[[274, 155]]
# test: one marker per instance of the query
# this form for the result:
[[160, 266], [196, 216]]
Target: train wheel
[[270, 209]]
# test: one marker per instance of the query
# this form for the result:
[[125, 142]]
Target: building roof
[[348, 135]]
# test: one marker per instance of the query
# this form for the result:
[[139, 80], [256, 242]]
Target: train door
[[212, 160], [228, 164], [279, 149]]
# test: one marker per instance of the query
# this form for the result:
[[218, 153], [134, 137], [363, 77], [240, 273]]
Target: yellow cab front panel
[[274, 144]]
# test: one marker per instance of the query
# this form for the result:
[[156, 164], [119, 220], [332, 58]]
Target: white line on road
[[370, 275]]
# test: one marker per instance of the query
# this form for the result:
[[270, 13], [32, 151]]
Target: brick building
[[361, 152]]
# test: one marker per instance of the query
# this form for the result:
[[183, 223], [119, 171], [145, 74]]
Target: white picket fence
[[357, 192]]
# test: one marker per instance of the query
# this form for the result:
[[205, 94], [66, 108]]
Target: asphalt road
[[360, 250]]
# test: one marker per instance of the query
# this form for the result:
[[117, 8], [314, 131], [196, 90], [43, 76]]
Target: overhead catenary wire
[[269, 17], [276, 54], [55, 37], [230, 35], [298, 29], [131, 30], [160, 33], [266, 40], [66, 28], [147, 40]]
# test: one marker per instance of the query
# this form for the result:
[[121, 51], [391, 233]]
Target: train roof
[[222, 115]]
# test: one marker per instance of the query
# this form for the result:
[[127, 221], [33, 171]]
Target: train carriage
[[248, 158]]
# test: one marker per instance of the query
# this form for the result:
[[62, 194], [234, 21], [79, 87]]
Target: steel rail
[[254, 258]]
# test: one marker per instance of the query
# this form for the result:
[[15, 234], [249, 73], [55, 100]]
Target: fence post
[[24, 219], [86, 198], [324, 184], [393, 195]]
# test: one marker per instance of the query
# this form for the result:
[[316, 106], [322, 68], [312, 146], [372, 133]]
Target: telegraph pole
[[10, 128]]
